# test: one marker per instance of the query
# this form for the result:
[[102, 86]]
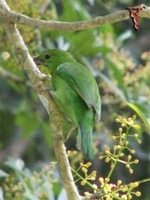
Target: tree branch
[[36, 77], [72, 26]]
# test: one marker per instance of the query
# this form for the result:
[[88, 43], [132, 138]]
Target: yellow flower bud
[[107, 180], [138, 193], [114, 137], [117, 120], [136, 161], [106, 147], [123, 135], [107, 151], [118, 146], [124, 197], [123, 125], [95, 186], [116, 195], [87, 193], [139, 141], [119, 182], [121, 143], [120, 130], [115, 147], [107, 159], [124, 189], [84, 170], [101, 180], [134, 184], [88, 164], [137, 127], [129, 196], [94, 173], [130, 119], [100, 157], [136, 135], [92, 178], [132, 151], [129, 157], [131, 171], [121, 154], [83, 182]]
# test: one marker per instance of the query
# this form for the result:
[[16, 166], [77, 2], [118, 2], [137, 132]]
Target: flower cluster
[[122, 143], [29, 184], [87, 177], [117, 154], [117, 191], [130, 122]]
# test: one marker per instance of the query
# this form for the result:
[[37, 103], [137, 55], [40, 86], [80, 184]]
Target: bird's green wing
[[83, 82]]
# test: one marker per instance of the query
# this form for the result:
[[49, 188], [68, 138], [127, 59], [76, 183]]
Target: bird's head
[[51, 59]]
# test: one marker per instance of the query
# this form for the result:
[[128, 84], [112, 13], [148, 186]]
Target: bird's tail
[[85, 140]]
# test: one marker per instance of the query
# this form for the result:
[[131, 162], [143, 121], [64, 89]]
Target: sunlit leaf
[[126, 35], [139, 113]]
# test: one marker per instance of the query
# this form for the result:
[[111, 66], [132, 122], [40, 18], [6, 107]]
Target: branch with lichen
[[18, 18], [37, 79]]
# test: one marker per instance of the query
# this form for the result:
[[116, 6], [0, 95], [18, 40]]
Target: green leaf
[[139, 113], [125, 35], [74, 11]]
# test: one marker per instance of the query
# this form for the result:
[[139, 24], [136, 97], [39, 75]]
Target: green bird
[[75, 92]]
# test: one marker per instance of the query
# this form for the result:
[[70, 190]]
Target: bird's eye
[[47, 56]]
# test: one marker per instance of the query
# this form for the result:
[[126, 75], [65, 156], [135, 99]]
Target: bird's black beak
[[36, 60]]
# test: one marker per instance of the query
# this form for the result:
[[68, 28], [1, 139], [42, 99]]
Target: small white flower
[[5, 55], [19, 163]]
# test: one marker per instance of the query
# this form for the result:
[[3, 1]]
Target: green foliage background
[[118, 56]]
